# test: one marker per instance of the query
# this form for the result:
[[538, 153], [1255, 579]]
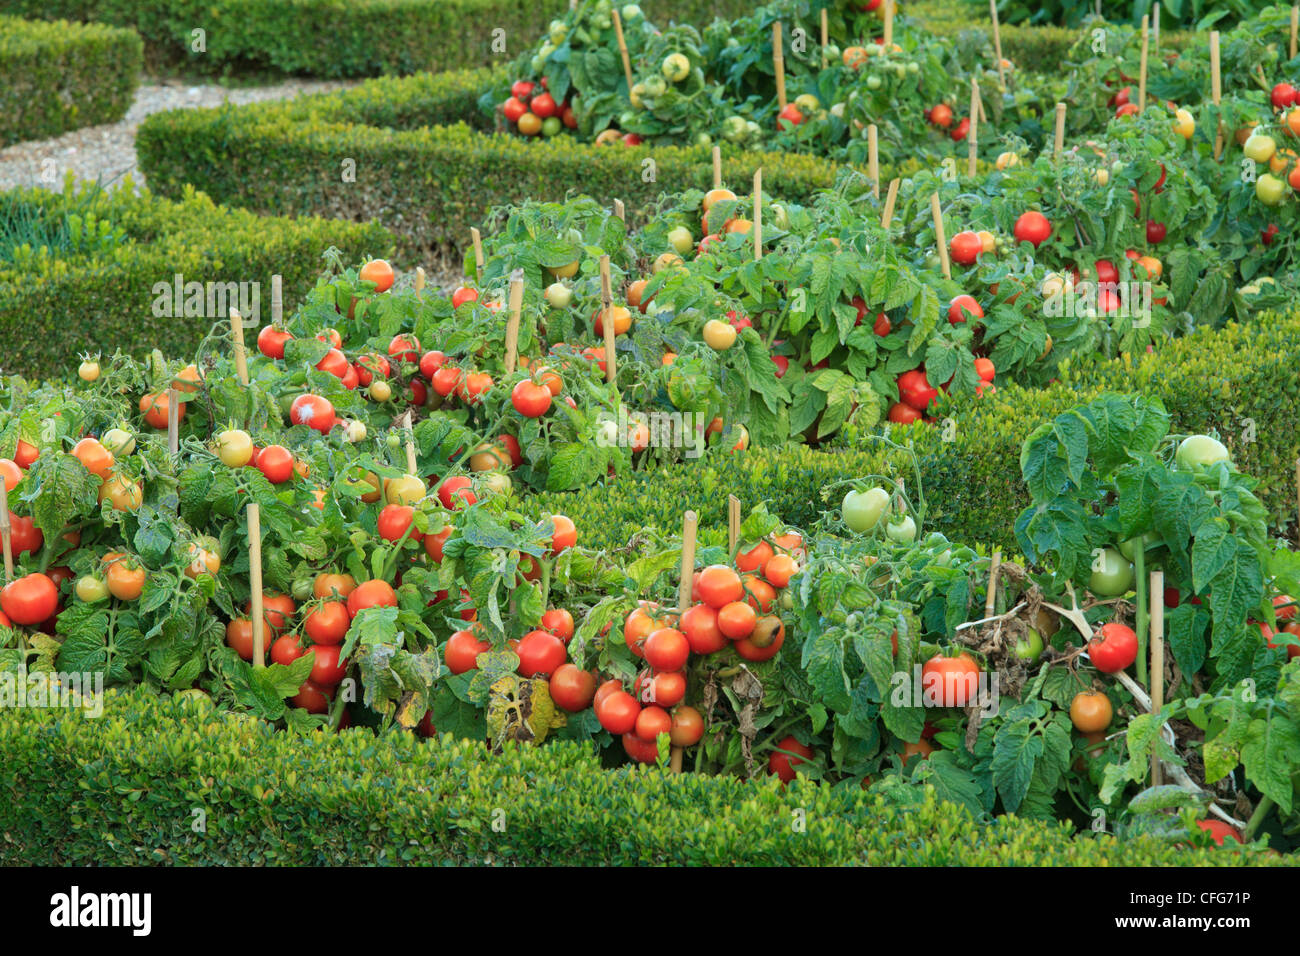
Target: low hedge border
[[366, 37], [122, 790], [431, 174], [98, 292], [1239, 381], [60, 76]]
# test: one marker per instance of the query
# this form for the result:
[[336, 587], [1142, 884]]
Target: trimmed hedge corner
[[433, 180], [85, 275], [60, 76], [1238, 381], [366, 37], [122, 790]]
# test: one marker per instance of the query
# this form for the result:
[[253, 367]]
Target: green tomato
[[119, 441], [862, 510], [675, 68], [1129, 548], [1200, 450], [1031, 647], [394, 441], [631, 11], [1269, 189], [901, 530], [302, 589], [551, 126], [91, 589], [703, 139], [654, 87], [1111, 574], [873, 82]]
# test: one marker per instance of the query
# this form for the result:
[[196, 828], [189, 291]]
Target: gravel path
[[108, 152]]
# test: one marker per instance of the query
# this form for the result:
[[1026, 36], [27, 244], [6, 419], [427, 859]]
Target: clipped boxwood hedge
[[55, 77], [1238, 381], [92, 290], [124, 790], [365, 37], [429, 180]]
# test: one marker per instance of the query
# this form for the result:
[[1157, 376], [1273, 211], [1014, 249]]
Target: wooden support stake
[[889, 25], [241, 355], [995, 565], [972, 135], [1142, 64], [717, 167], [1295, 26], [622, 48], [607, 317], [412, 464], [173, 421], [758, 214], [421, 280], [778, 61], [1155, 27], [1060, 133], [997, 43], [512, 323], [277, 299], [255, 584], [891, 197], [6, 530], [939, 237], [733, 524], [1216, 88], [873, 159], [1297, 497], [1157, 658], [826, 34], [619, 210], [477, 238], [689, 522]]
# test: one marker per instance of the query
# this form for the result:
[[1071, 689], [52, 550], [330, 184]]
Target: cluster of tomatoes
[[1261, 146], [737, 606], [941, 116], [532, 111]]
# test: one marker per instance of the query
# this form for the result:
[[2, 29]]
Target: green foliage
[[59, 76], [366, 37], [77, 268], [1234, 381], [124, 790], [436, 176]]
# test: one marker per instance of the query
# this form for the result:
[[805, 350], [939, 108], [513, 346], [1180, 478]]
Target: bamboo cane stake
[[826, 37], [412, 465], [1295, 27], [607, 317], [972, 136], [939, 236], [1297, 496], [1216, 88], [733, 524], [889, 25], [1155, 27], [619, 210], [173, 421], [512, 324], [990, 599], [622, 48], [477, 238], [1157, 659], [891, 197], [277, 299], [241, 354], [873, 159], [1060, 133], [684, 589], [421, 279], [758, 214], [717, 167], [997, 43], [1142, 65], [778, 61], [6, 530], [255, 583]]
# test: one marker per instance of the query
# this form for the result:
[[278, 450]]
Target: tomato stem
[[1257, 818]]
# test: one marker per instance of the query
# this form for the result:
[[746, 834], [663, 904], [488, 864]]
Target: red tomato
[[455, 493], [965, 248], [462, 651], [1113, 648], [688, 727], [1219, 830], [667, 649], [950, 681], [463, 294], [379, 272], [1032, 227], [558, 622], [543, 106], [719, 586], [312, 698], [618, 711], [572, 688], [433, 543], [446, 380], [371, 365], [328, 670], [783, 764], [369, 594], [984, 369], [653, 721], [512, 109], [327, 623], [430, 362], [30, 599], [395, 520], [286, 649], [531, 399], [914, 389], [903, 414], [700, 625], [24, 536], [565, 534], [334, 362], [270, 341], [540, 654], [961, 307], [404, 348], [314, 411], [276, 463]]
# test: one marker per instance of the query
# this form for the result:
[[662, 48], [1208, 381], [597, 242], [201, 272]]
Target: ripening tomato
[[572, 688], [395, 521], [560, 623], [463, 294], [156, 407], [277, 610], [455, 493], [618, 711], [286, 649], [1113, 648], [125, 578], [637, 627], [446, 380], [540, 654], [720, 585], [30, 599], [736, 620], [404, 348], [474, 386], [335, 363], [667, 689], [328, 670], [314, 411], [462, 651], [962, 307], [950, 681], [965, 248], [373, 593], [985, 370], [564, 536], [531, 399], [327, 623], [667, 649], [239, 636], [1091, 711], [11, 474], [760, 595], [652, 721], [755, 557], [333, 585], [700, 625], [312, 698], [779, 569], [97, 459], [687, 727], [433, 544], [787, 755], [379, 272]]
